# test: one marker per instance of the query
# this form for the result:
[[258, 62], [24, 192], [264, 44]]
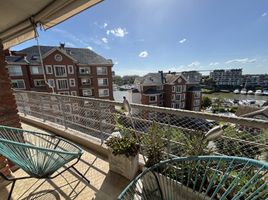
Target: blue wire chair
[[40, 155], [203, 177]]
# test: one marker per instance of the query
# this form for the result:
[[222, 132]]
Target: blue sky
[[142, 36]]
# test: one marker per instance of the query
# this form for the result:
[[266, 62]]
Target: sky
[[142, 36]]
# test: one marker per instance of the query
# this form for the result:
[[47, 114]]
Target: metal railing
[[184, 130]]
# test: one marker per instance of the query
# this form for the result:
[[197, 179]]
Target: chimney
[[62, 45], [162, 76]]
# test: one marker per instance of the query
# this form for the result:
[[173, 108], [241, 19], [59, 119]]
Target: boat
[[250, 92], [258, 92], [236, 91], [265, 92], [243, 91]]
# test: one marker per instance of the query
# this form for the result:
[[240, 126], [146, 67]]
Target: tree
[[206, 102]]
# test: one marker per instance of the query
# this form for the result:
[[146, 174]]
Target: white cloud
[[70, 44], [116, 63], [182, 40], [105, 40], [242, 61], [117, 32], [105, 25], [90, 48], [264, 14], [143, 54], [194, 64], [214, 64]]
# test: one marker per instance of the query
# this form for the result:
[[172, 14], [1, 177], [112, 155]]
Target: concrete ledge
[[75, 136]]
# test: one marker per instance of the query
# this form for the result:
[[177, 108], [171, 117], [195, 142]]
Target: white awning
[[18, 17]]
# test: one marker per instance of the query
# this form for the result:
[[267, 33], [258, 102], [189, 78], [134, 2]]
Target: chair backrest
[[203, 177], [38, 154]]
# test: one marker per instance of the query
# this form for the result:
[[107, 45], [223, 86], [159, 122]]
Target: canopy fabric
[[19, 18]]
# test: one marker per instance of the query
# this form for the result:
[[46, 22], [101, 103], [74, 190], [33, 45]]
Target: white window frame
[[196, 102], [101, 73], [89, 70], [15, 74], [183, 96], [178, 95], [63, 66], [51, 69], [105, 95], [73, 93], [72, 69], [178, 89], [70, 82], [83, 92], [36, 80], [39, 67], [16, 80], [173, 88], [64, 93], [197, 94], [85, 79], [57, 83], [51, 81], [183, 104], [101, 84], [153, 100]]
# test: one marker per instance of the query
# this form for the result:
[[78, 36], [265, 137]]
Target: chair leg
[[80, 174], [11, 190]]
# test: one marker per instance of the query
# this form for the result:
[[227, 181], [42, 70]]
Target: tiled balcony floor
[[104, 185]]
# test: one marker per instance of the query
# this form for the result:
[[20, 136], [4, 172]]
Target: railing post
[[42, 109], [62, 106], [100, 121]]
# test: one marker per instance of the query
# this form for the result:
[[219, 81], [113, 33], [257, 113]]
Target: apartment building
[[69, 71], [166, 89], [230, 77], [255, 80], [193, 77]]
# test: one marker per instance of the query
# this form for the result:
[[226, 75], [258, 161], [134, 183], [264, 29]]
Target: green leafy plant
[[123, 146], [154, 144]]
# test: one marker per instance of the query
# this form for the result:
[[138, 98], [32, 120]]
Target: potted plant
[[124, 155]]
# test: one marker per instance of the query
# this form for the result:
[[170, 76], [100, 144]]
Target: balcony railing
[[99, 118]]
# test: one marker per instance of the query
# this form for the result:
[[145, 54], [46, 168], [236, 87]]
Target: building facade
[[167, 90], [69, 71], [255, 80], [232, 77]]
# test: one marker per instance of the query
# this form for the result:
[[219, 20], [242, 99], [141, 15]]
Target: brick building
[[70, 71], [171, 90]]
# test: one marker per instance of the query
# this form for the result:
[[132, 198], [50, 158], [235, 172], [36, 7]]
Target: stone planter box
[[174, 189], [125, 166]]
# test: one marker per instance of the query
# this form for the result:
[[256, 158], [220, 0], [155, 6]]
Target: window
[[51, 82], [183, 96], [36, 70], [196, 102], [85, 81], [58, 57], [15, 70], [87, 93], [178, 89], [152, 98], [173, 88], [62, 84], [101, 70], [184, 88], [60, 70], [73, 93], [178, 97], [18, 84], [182, 104], [173, 97], [103, 92], [84, 70], [70, 69], [197, 94], [175, 105], [102, 81], [49, 69], [72, 82], [39, 83]]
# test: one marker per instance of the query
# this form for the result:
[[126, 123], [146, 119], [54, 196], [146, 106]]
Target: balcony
[[89, 122]]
